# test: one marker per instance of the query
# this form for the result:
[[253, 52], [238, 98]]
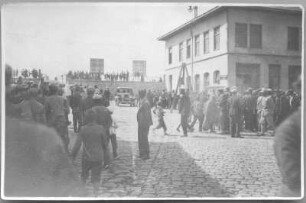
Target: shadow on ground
[[170, 172]]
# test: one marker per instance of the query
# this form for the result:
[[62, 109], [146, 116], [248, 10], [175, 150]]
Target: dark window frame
[[252, 36], [206, 43], [293, 42], [217, 38], [238, 40]]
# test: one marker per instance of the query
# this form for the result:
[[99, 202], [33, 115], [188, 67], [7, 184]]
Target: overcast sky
[[58, 37]]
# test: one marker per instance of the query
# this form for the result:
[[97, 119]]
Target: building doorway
[[247, 76], [294, 73], [274, 76]]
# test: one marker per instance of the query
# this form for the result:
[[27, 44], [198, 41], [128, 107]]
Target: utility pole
[[195, 12]]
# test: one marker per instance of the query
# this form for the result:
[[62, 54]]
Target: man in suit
[[235, 113], [184, 110], [144, 119]]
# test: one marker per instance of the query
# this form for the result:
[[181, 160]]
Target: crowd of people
[[92, 121], [225, 111]]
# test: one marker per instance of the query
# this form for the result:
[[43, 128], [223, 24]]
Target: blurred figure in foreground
[[287, 148], [36, 164]]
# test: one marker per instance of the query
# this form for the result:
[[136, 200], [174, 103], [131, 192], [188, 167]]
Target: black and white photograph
[[142, 101]]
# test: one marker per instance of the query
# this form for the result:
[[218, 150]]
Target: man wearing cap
[[144, 119], [184, 109], [235, 113]]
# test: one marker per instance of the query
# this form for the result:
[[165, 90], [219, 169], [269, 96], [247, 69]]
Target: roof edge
[[219, 8], [189, 23]]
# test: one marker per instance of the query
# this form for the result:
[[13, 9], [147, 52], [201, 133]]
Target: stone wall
[[135, 85]]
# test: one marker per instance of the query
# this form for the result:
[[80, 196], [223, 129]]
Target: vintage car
[[125, 95]]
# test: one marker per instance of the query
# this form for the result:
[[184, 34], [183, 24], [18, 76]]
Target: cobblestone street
[[200, 165]]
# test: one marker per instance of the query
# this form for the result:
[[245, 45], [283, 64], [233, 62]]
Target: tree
[[25, 73], [34, 73]]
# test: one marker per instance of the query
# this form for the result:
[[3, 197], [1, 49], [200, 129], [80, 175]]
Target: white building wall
[[274, 30], [200, 62]]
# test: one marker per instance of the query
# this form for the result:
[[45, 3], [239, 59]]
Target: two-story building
[[237, 46]]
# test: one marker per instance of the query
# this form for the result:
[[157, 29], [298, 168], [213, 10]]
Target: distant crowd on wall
[[122, 76]]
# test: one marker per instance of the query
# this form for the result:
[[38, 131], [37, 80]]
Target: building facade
[[237, 46]]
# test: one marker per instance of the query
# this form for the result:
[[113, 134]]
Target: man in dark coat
[[103, 118], [223, 106], [88, 102], [55, 106], [235, 113], [76, 106], [106, 97], [184, 110], [94, 139], [144, 119]]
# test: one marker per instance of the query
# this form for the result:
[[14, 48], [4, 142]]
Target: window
[[206, 80], [255, 36], [206, 42], [196, 45], [293, 38], [217, 77], [217, 38], [170, 55], [181, 49], [188, 46], [241, 35]]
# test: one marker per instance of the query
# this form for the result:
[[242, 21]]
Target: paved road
[[200, 165]]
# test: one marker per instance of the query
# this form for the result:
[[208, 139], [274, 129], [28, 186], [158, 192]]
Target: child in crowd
[[159, 111]]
